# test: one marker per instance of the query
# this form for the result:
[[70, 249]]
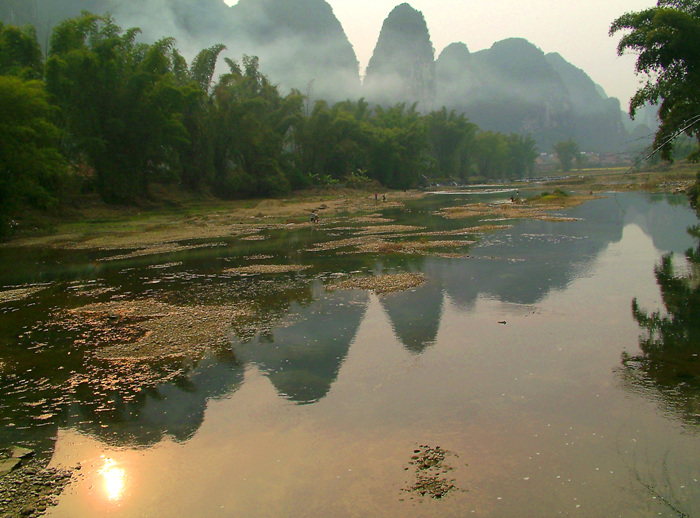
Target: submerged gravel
[[430, 473], [30, 489], [380, 284]]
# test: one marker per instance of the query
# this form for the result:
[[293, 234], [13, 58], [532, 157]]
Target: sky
[[578, 30]]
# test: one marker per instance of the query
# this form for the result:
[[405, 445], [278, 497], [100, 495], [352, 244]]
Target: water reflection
[[52, 375], [415, 315], [302, 354], [298, 335], [173, 409], [523, 264], [131, 404], [668, 368], [114, 479]]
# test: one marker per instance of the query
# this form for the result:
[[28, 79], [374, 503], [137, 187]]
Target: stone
[[18, 452], [7, 465]]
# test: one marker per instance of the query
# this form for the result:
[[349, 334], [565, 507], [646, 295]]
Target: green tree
[[332, 141], [20, 52], [522, 153], [197, 153], [566, 152], [121, 104], [254, 127], [399, 151], [452, 139], [31, 167], [665, 39], [491, 154]]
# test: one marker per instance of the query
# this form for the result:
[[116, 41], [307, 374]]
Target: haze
[[576, 30]]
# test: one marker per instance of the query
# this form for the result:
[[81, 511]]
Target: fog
[[511, 87], [307, 51]]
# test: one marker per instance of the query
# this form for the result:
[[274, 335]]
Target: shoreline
[[161, 227]]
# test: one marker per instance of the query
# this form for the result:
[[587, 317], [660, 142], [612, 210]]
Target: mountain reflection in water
[[302, 355], [668, 368], [298, 337]]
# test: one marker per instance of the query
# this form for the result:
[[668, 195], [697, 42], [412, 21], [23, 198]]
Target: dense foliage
[[32, 170], [567, 152], [113, 116], [665, 39]]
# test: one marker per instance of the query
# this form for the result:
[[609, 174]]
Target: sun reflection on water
[[114, 479]]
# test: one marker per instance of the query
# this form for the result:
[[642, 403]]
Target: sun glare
[[114, 479]]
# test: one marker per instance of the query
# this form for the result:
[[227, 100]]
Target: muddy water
[[508, 363]]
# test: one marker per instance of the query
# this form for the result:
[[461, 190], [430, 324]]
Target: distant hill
[[402, 67], [598, 122], [454, 75], [511, 87], [189, 21], [515, 87], [300, 43]]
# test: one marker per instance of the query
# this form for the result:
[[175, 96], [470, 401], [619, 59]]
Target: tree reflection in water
[[668, 367]]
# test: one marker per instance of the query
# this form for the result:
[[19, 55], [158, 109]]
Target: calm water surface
[[510, 359]]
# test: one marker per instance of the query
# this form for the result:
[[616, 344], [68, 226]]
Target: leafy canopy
[[109, 114], [20, 53], [566, 151], [30, 164], [667, 42], [121, 103]]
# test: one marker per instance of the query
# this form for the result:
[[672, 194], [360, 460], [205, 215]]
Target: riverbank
[[178, 218], [156, 226]]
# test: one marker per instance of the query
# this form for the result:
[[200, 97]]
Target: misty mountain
[[194, 24], [598, 123], [454, 75], [642, 128], [300, 43], [513, 87], [508, 88], [402, 67]]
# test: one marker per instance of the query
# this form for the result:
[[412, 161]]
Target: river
[[510, 383]]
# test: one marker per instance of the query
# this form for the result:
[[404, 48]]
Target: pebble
[[30, 490]]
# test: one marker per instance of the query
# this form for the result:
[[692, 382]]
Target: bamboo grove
[[102, 112]]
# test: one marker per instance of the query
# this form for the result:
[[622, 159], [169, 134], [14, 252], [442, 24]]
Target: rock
[[18, 452], [7, 465]]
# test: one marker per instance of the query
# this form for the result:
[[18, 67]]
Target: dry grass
[[380, 284], [408, 247], [539, 208], [156, 230], [389, 229], [258, 269], [146, 329], [18, 294]]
